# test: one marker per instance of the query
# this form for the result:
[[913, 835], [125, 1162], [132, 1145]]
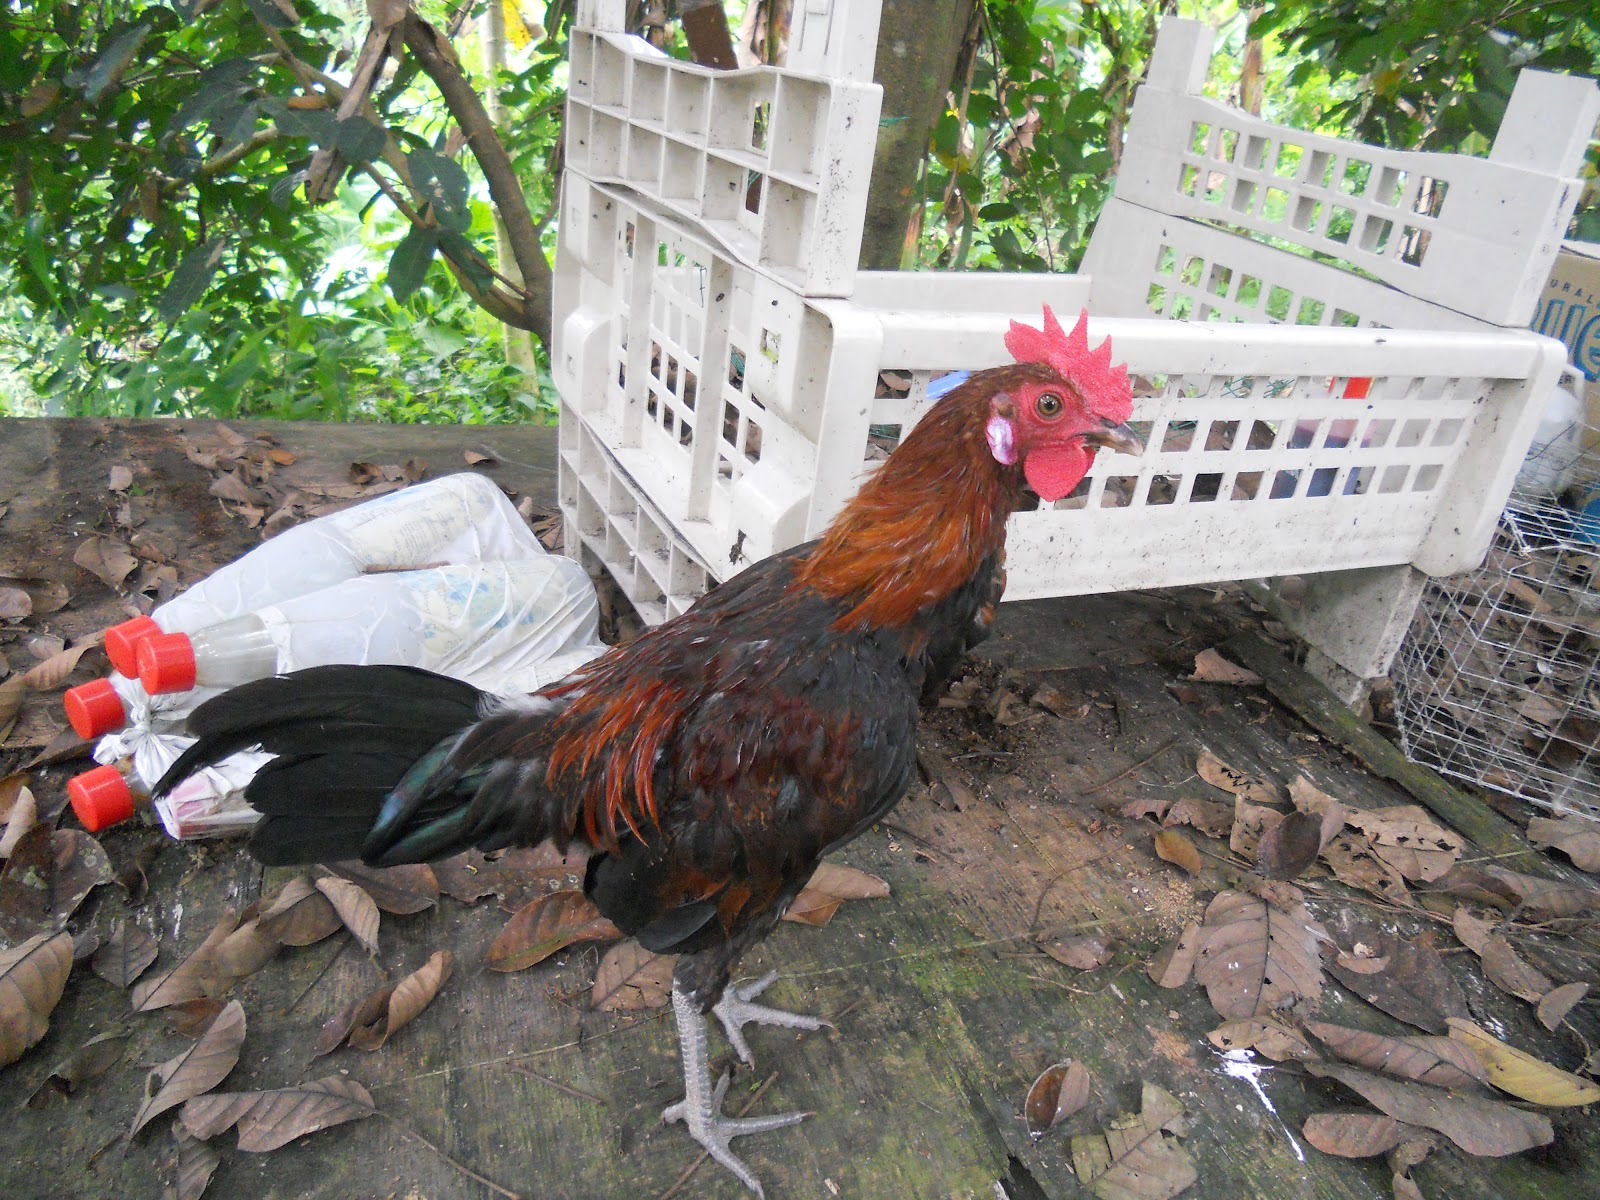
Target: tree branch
[[434, 56]]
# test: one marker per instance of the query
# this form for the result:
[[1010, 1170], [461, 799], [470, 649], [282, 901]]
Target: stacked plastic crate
[[728, 378]]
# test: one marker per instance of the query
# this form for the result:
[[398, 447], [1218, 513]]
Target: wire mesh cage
[[1499, 680]]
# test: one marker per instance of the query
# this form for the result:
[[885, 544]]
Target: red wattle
[[1053, 471]]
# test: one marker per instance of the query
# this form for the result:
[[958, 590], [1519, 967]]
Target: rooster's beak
[[1116, 437]]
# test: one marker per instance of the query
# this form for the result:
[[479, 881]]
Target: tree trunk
[[1251, 81], [918, 48]]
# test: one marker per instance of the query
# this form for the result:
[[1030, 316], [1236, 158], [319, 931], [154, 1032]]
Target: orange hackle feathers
[[1107, 389]]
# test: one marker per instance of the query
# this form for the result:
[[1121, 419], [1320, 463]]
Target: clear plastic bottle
[[104, 706], [494, 621], [458, 518]]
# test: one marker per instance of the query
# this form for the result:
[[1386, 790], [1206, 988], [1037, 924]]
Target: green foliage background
[[157, 256]]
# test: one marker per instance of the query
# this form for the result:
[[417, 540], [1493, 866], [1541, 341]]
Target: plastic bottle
[[1558, 443], [104, 706], [488, 621], [460, 518], [106, 795], [208, 804]]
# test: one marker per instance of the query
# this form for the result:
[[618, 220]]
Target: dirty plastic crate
[[1499, 681], [772, 162], [608, 524], [747, 414], [748, 411]]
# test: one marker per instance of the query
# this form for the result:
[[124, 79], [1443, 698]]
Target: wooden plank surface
[[944, 1007]]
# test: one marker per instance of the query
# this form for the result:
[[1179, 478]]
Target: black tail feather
[[345, 736]]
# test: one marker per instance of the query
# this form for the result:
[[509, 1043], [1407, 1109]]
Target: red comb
[[1106, 388]]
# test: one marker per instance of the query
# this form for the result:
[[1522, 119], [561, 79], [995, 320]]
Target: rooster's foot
[[735, 1011], [701, 1106]]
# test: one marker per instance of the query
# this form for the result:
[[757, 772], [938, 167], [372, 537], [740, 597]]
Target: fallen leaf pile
[[1263, 960]]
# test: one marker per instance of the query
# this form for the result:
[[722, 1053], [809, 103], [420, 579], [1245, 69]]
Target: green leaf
[[358, 140], [105, 70], [271, 15], [215, 86], [443, 184], [998, 211], [190, 280], [40, 263], [465, 255], [409, 263]]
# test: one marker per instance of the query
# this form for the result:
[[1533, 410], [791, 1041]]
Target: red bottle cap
[[122, 643], [100, 798], [94, 709], [166, 663]]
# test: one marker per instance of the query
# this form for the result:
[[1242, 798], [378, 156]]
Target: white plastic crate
[[748, 412], [774, 163], [608, 524], [1452, 235], [1257, 462]]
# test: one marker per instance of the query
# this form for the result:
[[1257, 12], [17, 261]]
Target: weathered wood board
[[944, 1008]]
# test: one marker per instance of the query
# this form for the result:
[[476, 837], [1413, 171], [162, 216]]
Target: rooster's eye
[[1048, 406]]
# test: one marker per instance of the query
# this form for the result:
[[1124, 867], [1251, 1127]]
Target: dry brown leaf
[[829, 887], [1250, 824], [1255, 958], [1353, 862], [403, 890], [24, 815], [1083, 951], [1309, 798], [1060, 1091], [1211, 667], [106, 559], [1354, 1134], [1211, 817], [631, 977], [193, 1164], [1576, 837], [356, 908], [44, 596], [1522, 1075], [46, 878], [368, 1012], [1541, 897], [95, 1057], [1154, 808], [1508, 971], [12, 693], [546, 925], [32, 977], [1171, 846], [55, 670], [1471, 931], [271, 1119], [193, 1017], [1257, 789], [198, 975], [404, 1002], [197, 1070], [1263, 1035], [124, 956], [1409, 842], [245, 951], [299, 914], [1137, 1157], [1171, 968], [1416, 987], [475, 457], [1289, 846], [1475, 1124], [120, 480], [1436, 1060], [1558, 1002], [11, 788], [15, 603], [467, 877]]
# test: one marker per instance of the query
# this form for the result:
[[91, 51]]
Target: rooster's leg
[[701, 1106], [735, 1011]]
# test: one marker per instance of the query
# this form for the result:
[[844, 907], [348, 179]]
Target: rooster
[[711, 763]]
